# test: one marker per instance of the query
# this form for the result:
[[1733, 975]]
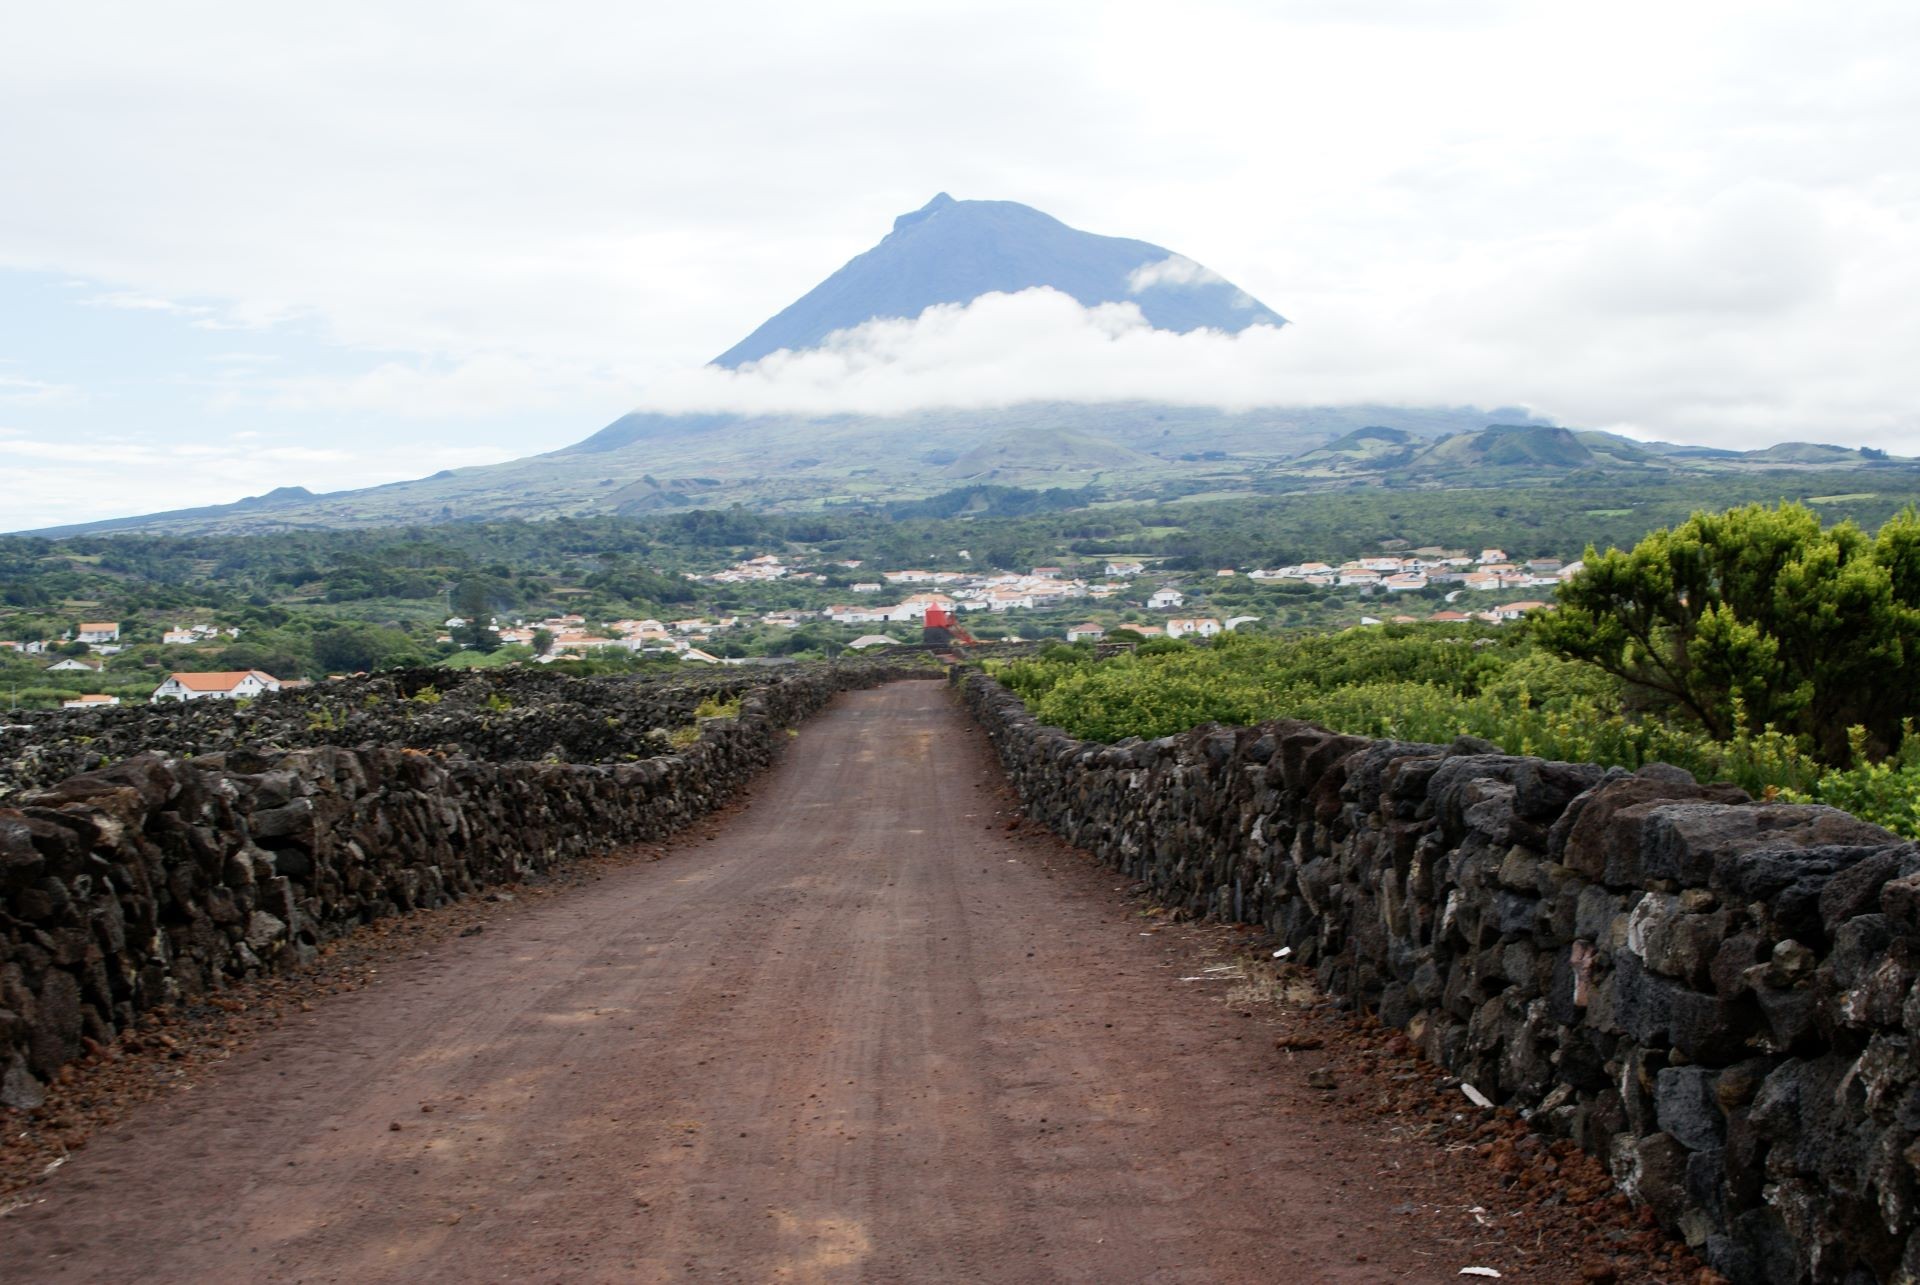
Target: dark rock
[[1686, 1106], [18, 1087]]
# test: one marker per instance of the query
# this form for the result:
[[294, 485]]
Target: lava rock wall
[[159, 879], [500, 714], [1715, 994]]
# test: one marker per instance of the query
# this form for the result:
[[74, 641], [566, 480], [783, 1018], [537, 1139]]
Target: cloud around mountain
[[1731, 323], [954, 252]]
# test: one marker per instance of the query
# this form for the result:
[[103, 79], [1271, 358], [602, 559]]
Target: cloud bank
[[1758, 314]]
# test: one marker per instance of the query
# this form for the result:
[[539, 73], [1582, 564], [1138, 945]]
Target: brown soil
[[867, 1027]]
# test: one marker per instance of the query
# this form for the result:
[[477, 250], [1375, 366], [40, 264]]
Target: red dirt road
[[856, 1032]]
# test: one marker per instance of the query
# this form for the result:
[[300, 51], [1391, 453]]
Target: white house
[[1166, 599], [1090, 631], [179, 638], [95, 701], [99, 631], [236, 684], [1491, 555], [1203, 627], [1125, 568], [1406, 582]]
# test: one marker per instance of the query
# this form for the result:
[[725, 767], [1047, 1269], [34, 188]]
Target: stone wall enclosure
[[1717, 995], [159, 879]]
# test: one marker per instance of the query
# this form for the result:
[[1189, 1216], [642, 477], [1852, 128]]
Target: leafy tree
[[1758, 617], [542, 641], [472, 602], [352, 648]]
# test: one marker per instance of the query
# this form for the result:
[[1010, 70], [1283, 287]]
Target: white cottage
[[232, 685]]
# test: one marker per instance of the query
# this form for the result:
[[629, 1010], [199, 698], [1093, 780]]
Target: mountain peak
[[950, 251], [939, 202]]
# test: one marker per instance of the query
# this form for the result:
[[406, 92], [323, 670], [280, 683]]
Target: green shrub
[[1435, 683]]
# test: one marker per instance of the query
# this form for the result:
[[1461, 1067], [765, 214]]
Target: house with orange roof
[[237, 684]]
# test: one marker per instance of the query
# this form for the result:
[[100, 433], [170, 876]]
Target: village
[[1124, 598], [1454, 573]]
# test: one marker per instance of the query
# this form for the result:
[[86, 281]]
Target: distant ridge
[[950, 251]]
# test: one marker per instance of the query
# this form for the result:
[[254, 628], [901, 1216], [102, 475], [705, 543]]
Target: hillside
[[644, 463], [952, 251], [1364, 449]]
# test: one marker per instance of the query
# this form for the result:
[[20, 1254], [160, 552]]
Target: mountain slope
[[1506, 446], [952, 251]]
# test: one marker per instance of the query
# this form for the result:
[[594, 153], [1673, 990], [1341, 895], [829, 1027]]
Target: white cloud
[[1784, 355], [131, 301], [476, 387], [50, 483], [18, 391], [1174, 270]]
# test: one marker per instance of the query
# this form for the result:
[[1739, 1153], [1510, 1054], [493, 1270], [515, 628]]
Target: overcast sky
[[244, 246]]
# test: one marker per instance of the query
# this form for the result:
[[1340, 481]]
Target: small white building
[[1089, 632], [1166, 599], [99, 631], [238, 684]]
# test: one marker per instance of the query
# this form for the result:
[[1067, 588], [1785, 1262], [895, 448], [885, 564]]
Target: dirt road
[[857, 1031]]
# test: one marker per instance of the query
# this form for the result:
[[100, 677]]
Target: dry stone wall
[[159, 879], [1715, 994], [500, 714]]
